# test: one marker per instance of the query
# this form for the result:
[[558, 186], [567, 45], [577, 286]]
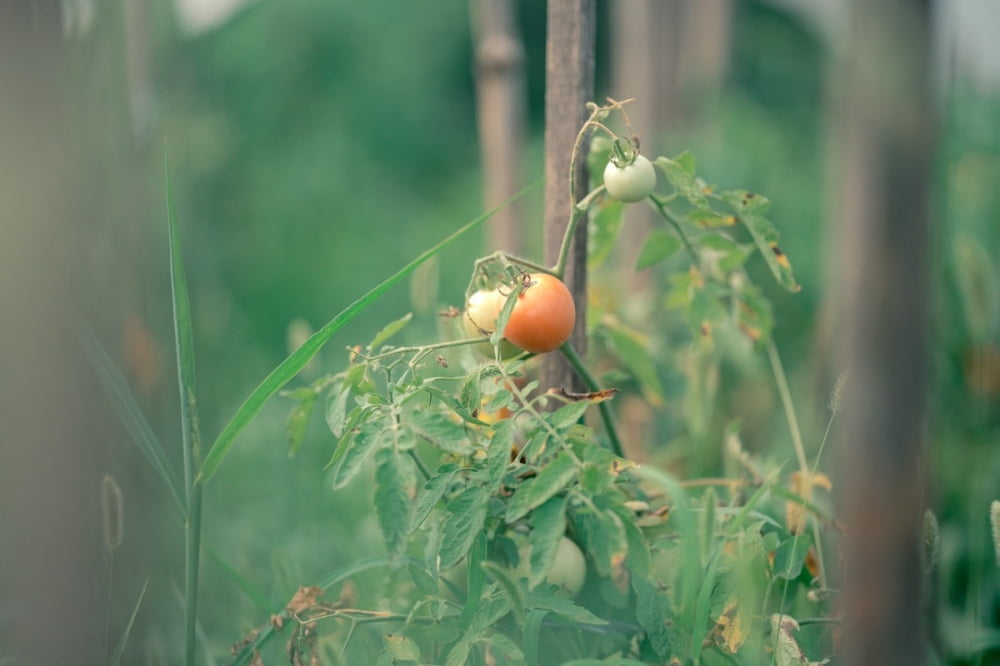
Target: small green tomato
[[568, 569], [631, 183]]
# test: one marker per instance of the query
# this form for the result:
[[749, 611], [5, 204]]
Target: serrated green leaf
[[633, 351], [552, 598], [658, 246], [605, 227], [440, 431], [504, 651], [352, 452], [687, 161], [392, 497], [401, 647], [291, 366], [459, 653], [426, 583], [433, 491], [567, 415], [604, 536], [470, 396], [683, 180], [550, 480], [508, 587], [790, 556], [298, 421], [548, 525], [336, 408], [450, 401], [652, 610], [749, 206], [489, 613], [467, 515], [498, 454], [389, 330]]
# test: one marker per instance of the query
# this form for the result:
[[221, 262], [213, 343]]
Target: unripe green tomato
[[568, 569], [480, 319], [631, 183]]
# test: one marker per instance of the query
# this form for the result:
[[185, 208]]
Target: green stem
[[192, 553], [667, 215], [579, 211], [602, 406], [424, 348]]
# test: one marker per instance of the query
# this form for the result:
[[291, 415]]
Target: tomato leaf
[[749, 207], [440, 431], [401, 647], [434, 490], [682, 179], [467, 517], [548, 523], [658, 246], [508, 587], [550, 480], [393, 500], [652, 610], [352, 451], [389, 330], [498, 455], [552, 598], [336, 408]]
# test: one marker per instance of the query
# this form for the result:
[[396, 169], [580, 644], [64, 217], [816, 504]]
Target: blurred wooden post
[[886, 138], [569, 85], [50, 409], [500, 109]]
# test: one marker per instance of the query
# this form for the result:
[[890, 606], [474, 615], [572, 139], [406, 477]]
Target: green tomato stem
[[602, 406]]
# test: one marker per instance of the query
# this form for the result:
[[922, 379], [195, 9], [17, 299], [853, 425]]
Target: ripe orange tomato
[[543, 317]]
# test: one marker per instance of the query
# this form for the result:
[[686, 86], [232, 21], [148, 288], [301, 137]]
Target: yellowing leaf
[[802, 485], [729, 632]]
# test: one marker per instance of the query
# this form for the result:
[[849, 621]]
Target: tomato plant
[[509, 517]]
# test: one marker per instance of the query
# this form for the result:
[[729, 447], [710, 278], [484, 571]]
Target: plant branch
[[592, 384]]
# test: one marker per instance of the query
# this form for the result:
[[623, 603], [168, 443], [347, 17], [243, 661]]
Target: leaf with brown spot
[[729, 633], [592, 396]]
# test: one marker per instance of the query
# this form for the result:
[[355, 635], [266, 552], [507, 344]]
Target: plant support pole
[[886, 139], [569, 85]]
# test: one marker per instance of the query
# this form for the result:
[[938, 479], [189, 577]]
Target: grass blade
[[127, 408], [190, 438], [291, 366], [116, 656], [184, 340]]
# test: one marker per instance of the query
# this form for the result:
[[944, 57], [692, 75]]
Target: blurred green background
[[315, 147]]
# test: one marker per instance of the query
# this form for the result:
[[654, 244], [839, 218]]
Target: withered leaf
[[304, 599]]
